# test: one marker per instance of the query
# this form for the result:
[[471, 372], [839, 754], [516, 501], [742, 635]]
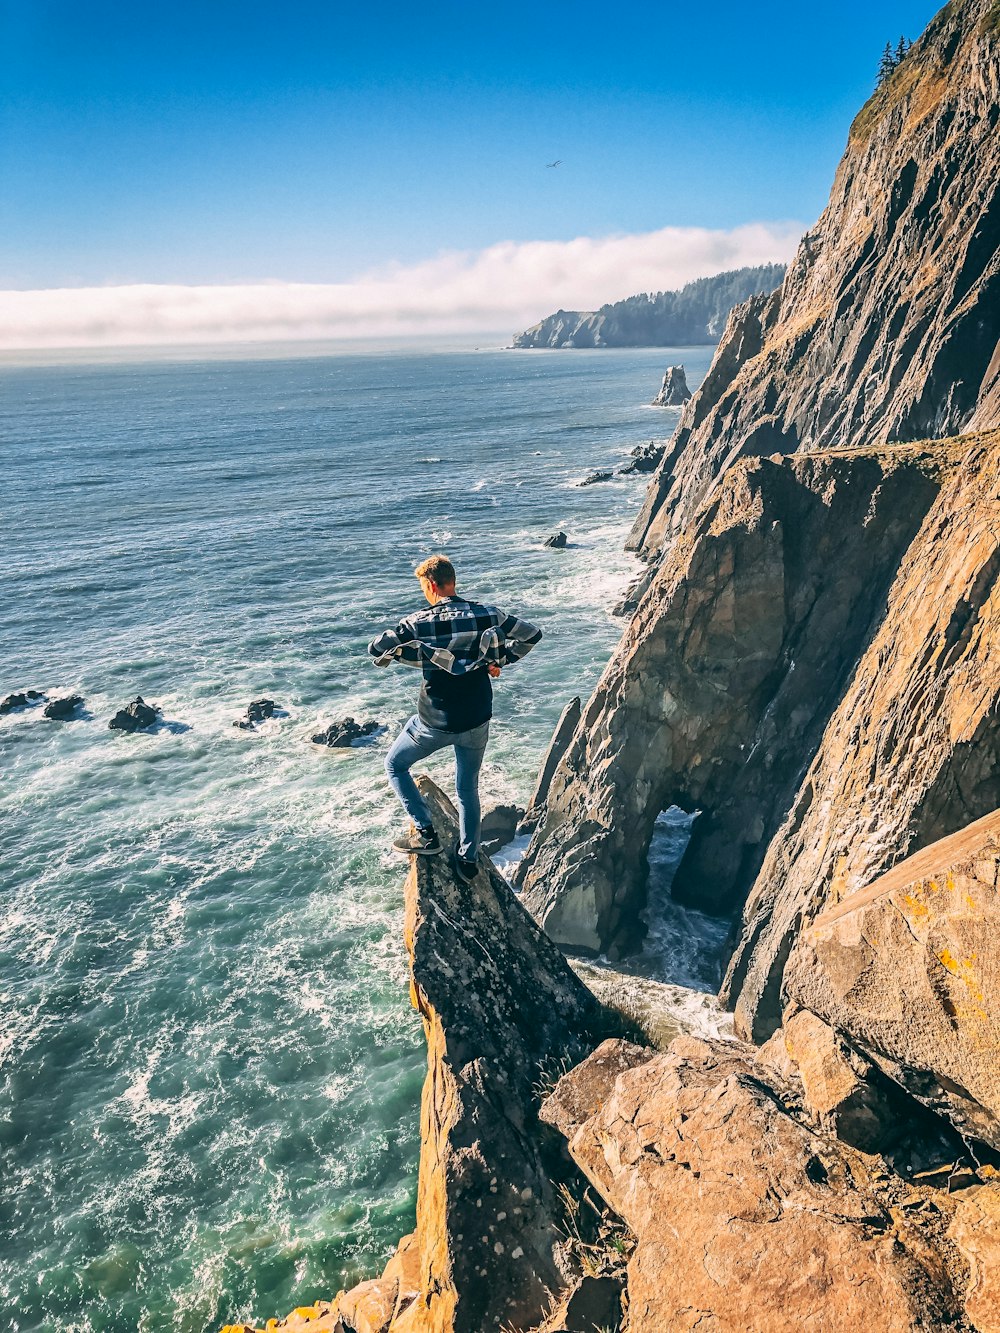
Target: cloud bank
[[510, 286]]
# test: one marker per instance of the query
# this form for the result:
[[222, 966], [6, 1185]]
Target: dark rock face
[[557, 541], [568, 722], [722, 685], [499, 826], [24, 699], [257, 711], [343, 734], [592, 478], [136, 716], [643, 458], [911, 750], [60, 709], [886, 326], [674, 391], [500, 1006]]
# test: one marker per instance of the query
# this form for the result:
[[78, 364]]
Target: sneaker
[[422, 842], [466, 870]]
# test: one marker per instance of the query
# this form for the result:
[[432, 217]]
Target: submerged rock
[[557, 541], [136, 716], [257, 711], [592, 478], [60, 709], [24, 699], [343, 734], [674, 391]]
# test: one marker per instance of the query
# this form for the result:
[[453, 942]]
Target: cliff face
[[886, 325], [695, 314]]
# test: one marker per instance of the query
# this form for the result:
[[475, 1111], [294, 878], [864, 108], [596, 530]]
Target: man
[[458, 645]]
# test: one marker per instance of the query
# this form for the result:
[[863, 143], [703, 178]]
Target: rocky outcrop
[[908, 970], [136, 716], [22, 699], [557, 542], [718, 695], [500, 1006], [745, 1217], [499, 826], [674, 391], [885, 327], [643, 458], [61, 709], [695, 314], [592, 478], [257, 711], [569, 720], [911, 751], [343, 734]]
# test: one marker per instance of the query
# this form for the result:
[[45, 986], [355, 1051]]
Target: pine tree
[[902, 46], [886, 65]]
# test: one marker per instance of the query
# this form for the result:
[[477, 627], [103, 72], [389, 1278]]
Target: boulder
[[908, 970], [501, 1007], [674, 391], [557, 541], [60, 709], [344, 733], [744, 1216], [23, 699], [499, 827], [592, 478], [643, 458], [569, 720], [257, 711], [136, 716]]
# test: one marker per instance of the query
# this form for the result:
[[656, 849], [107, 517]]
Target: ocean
[[209, 1070]]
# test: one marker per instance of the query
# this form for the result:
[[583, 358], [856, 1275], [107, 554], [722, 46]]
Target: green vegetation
[[891, 60]]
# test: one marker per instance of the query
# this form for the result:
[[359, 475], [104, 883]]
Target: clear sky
[[224, 143]]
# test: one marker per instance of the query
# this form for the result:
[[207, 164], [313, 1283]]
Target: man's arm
[[396, 645], [517, 637]]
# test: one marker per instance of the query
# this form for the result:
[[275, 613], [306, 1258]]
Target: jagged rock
[[343, 734], [136, 716], [744, 1217], [723, 682], [635, 592], [909, 971], [60, 709], [593, 1305], [912, 748], [592, 478], [643, 458], [569, 719], [557, 541], [975, 1229], [885, 326], [842, 1089], [674, 391], [499, 826], [500, 1006], [258, 711], [24, 699]]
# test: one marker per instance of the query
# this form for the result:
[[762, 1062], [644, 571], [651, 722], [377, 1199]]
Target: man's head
[[437, 577]]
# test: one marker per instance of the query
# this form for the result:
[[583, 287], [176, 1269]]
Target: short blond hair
[[437, 568]]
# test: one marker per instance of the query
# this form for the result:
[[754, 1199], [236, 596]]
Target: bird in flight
[[556, 163]]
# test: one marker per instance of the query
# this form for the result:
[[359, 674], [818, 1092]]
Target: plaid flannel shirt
[[456, 636]]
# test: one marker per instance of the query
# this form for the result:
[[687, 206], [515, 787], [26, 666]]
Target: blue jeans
[[417, 741]]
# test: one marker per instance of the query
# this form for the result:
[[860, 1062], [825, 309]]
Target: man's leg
[[414, 742], [470, 746]]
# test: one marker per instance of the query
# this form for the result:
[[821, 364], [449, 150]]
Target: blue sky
[[226, 143]]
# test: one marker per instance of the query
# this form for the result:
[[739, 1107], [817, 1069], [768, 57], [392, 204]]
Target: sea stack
[[674, 391]]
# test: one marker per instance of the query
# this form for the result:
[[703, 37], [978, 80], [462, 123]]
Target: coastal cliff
[[695, 314], [814, 667]]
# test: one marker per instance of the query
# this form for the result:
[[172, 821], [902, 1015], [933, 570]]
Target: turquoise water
[[209, 1072]]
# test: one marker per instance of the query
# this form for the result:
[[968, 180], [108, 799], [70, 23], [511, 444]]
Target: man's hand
[[493, 669]]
